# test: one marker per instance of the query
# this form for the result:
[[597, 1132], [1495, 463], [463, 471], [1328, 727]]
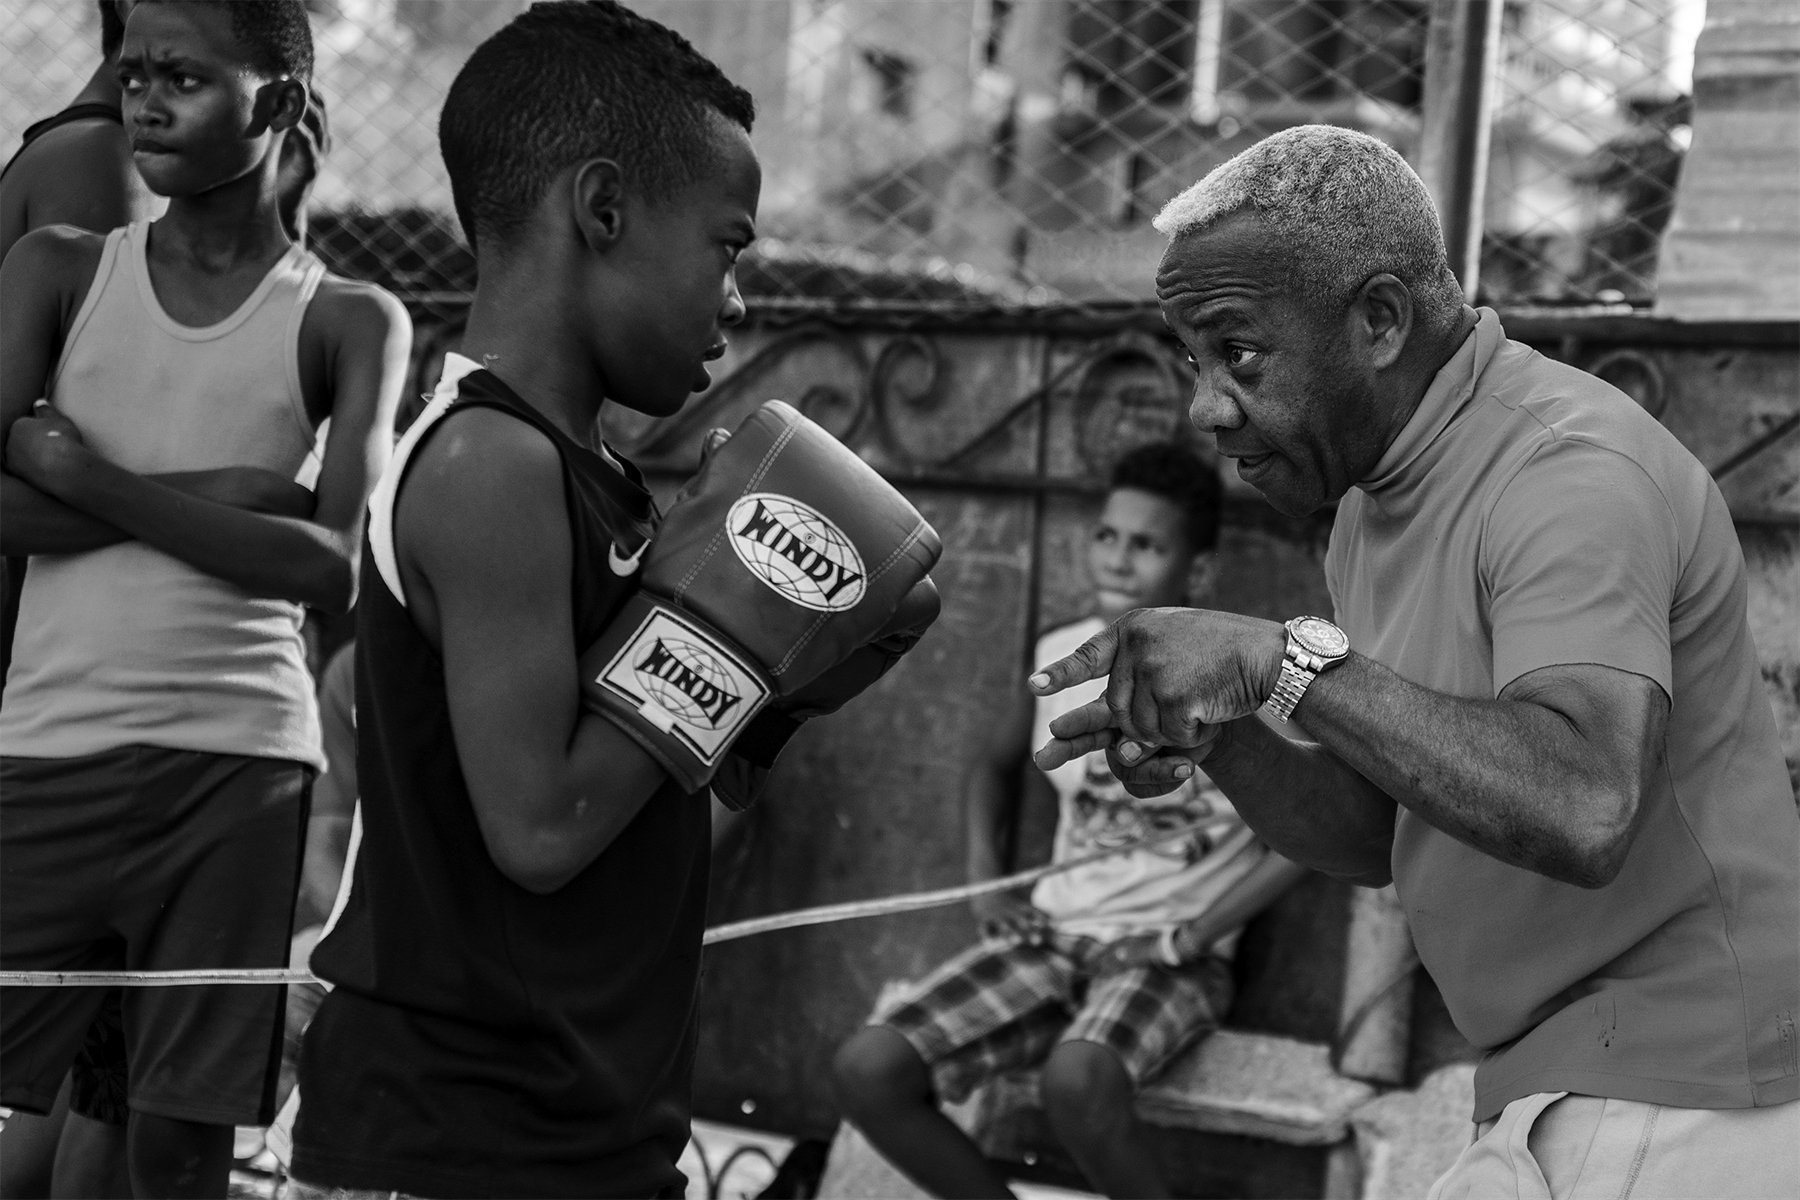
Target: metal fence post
[[1462, 52]]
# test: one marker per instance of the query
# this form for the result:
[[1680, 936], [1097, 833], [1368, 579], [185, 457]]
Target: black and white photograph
[[884, 599]]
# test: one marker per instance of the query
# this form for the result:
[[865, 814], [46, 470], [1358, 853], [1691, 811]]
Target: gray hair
[[1343, 204]]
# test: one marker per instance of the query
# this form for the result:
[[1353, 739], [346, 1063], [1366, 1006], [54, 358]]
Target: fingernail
[[1130, 752], [37, 404], [1183, 770], [1040, 680]]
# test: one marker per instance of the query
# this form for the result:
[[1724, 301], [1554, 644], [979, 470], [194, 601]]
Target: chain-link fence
[[1591, 123], [1012, 152]]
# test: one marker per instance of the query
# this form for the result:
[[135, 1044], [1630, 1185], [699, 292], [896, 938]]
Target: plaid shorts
[[998, 1008]]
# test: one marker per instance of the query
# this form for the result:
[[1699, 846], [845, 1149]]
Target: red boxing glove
[[782, 556]]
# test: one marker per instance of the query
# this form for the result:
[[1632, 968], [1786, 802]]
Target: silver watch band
[[1288, 689]]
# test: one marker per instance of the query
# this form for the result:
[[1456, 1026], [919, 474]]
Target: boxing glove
[[783, 555], [753, 755]]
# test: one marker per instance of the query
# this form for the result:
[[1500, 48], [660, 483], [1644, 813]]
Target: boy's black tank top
[[482, 1040]]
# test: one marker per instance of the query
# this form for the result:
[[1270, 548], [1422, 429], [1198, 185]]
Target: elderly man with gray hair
[[1536, 708]]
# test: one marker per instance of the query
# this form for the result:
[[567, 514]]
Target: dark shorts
[[99, 1080], [148, 859]]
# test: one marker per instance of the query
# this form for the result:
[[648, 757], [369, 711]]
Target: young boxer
[[543, 699]]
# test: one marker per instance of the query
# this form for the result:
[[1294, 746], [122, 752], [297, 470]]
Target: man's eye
[[1192, 361], [130, 83], [1241, 356]]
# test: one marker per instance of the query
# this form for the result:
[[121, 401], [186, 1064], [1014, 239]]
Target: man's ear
[[1385, 308], [597, 193], [281, 104]]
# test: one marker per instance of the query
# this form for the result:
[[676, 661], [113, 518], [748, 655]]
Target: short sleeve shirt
[[1528, 516], [1158, 885]]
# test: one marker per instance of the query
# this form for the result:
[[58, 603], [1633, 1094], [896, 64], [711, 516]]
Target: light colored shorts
[[1555, 1146], [998, 1007]]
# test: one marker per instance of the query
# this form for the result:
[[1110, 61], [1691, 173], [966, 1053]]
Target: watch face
[[1320, 637]]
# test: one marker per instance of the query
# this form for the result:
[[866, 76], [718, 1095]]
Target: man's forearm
[[1517, 780], [1549, 777], [1306, 803]]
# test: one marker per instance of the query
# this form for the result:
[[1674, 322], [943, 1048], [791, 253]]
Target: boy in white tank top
[[1111, 969], [158, 733]]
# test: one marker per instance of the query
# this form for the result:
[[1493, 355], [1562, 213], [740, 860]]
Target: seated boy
[[1110, 969], [515, 967], [159, 733]]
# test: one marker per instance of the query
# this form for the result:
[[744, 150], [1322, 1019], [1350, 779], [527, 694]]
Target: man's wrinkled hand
[[1171, 673], [1166, 768], [1076, 734], [1144, 769]]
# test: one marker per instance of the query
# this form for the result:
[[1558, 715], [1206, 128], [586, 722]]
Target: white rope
[[908, 902], [821, 915]]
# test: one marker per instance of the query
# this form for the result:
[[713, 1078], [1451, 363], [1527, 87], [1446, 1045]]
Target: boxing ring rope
[[822, 915]]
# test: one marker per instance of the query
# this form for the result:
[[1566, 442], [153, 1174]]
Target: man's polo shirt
[[1529, 515]]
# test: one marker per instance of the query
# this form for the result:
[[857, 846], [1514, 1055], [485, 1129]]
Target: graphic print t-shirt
[[1143, 890]]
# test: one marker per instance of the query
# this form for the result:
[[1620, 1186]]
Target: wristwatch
[[1313, 645]]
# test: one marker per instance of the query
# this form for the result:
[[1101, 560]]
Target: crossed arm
[[1548, 776], [240, 524]]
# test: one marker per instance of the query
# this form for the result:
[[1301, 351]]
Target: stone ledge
[[1252, 1084], [1406, 1139]]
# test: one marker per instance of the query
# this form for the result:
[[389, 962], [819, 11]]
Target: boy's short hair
[[1177, 473], [112, 28], [275, 35], [572, 80]]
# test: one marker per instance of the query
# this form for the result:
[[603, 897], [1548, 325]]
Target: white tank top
[[1144, 890], [126, 645]]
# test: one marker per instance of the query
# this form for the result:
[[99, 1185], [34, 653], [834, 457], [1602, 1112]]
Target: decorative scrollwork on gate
[[901, 397]]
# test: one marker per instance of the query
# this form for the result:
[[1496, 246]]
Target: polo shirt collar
[[1449, 391]]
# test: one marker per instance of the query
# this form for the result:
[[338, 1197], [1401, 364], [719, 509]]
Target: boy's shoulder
[[74, 152], [483, 493], [354, 324], [73, 141], [347, 305], [55, 262], [479, 459], [60, 247]]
